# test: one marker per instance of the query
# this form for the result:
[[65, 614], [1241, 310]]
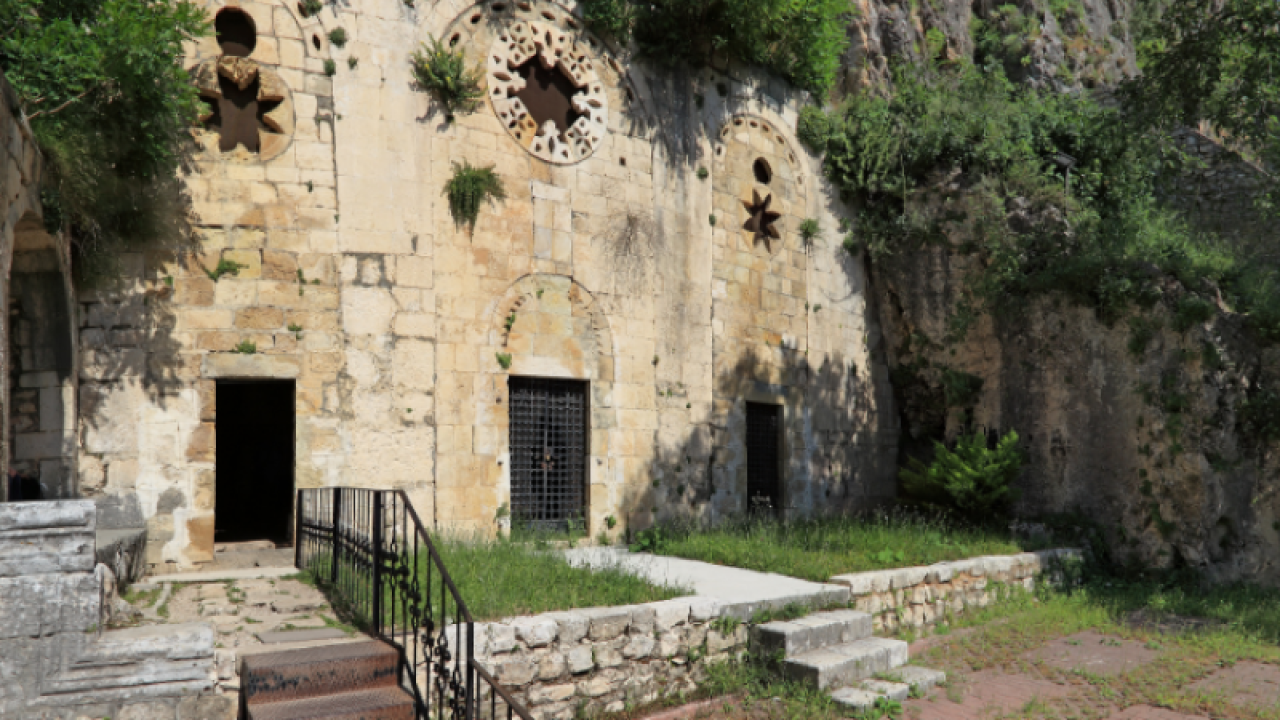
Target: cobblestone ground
[[241, 611]]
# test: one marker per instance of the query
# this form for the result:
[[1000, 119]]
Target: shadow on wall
[[130, 356], [836, 447]]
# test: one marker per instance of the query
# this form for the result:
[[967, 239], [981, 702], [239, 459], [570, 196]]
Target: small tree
[[443, 72], [972, 478], [468, 189]]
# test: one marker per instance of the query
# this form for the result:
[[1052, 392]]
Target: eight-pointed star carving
[[760, 224]]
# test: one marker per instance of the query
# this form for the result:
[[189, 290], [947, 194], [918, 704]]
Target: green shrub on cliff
[[972, 478], [801, 41], [110, 106]]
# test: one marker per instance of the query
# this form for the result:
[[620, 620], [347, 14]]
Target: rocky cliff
[[1157, 427]]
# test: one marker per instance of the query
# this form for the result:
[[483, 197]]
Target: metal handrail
[[382, 569]]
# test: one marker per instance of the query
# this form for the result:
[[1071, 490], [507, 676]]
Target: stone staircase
[[351, 681], [836, 652]]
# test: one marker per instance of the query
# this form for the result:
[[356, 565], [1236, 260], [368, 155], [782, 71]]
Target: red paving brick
[[985, 694], [1146, 712], [1245, 684], [1094, 653]]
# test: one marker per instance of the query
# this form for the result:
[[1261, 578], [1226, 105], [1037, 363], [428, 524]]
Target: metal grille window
[[548, 453], [764, 477]]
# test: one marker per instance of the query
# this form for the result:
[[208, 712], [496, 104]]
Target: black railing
[[370, 552]]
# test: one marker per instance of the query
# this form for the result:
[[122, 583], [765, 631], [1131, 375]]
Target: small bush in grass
[[443, 72], [972, 478], [468, 189]]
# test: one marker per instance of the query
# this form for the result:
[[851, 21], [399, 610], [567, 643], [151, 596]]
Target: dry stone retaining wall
[[603, 659], [921, 597]]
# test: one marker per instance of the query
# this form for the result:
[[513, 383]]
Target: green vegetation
[[468, 189], [310, 7], [338, 37], [972, 478], [330, 68], [504, 359], [500, 578], [802, 42], [246, 348], [110, 107], [820, 548], [142, 598], [443, 72], [1005, 150], [226, 266]]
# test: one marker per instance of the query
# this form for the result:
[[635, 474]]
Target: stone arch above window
[[760, 183], [248, 112], [551, 83], [551, 326]]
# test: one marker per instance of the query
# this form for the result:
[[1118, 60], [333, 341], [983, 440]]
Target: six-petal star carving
[[761, 222]]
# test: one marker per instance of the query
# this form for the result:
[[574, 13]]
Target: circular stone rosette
[[510, 62]]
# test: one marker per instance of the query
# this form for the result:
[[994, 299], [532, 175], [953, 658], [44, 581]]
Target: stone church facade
[[638, 331]]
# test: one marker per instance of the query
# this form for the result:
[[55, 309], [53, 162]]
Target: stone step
[[318, 671], [811, 632], [386, 703], [864, 694], [920, 679], [847, 663]]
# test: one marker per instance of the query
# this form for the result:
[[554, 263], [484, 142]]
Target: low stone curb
[[919, 597]]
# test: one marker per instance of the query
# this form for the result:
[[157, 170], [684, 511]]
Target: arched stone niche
[[41, 362], [551, 327], [542, 65], [283, 44], [760, 186]]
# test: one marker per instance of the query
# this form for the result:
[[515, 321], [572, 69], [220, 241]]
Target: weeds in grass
[[500, 578], [820, 548], [142, 599]]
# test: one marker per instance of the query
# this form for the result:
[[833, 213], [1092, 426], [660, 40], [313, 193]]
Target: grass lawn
[[819, 549], [1182, 634], [500, 578]]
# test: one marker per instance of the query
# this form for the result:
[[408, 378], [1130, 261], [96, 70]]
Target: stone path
[[253, 610], [742, 592]]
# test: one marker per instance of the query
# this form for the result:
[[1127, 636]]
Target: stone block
[[580, 659], [702, 609], [551, 666], [502, 638], [516, 672], [639, 647], [535, 631], [669, 614], [607, 623], [239, 365], [542, 694]]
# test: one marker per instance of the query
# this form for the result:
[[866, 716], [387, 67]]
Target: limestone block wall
[[922, 597], [601, 266], [604, 659], [55, 659], [1218, 196]]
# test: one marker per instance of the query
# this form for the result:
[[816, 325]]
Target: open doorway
[[254, 461], [764, 457]]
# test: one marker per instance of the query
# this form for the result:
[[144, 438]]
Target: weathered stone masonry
[[604, 264]]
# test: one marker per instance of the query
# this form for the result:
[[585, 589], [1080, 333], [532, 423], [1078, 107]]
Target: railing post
[[337, 513], [377, 562], [468, 677], [297, 530]]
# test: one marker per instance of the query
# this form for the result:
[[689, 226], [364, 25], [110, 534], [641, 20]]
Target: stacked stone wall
[[922, 597], [1219, 195], [606, 659]]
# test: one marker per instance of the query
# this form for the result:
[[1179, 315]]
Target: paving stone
[[291, 604], [281, 636]]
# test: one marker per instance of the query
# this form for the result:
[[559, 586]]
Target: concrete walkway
[[742, 592]]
